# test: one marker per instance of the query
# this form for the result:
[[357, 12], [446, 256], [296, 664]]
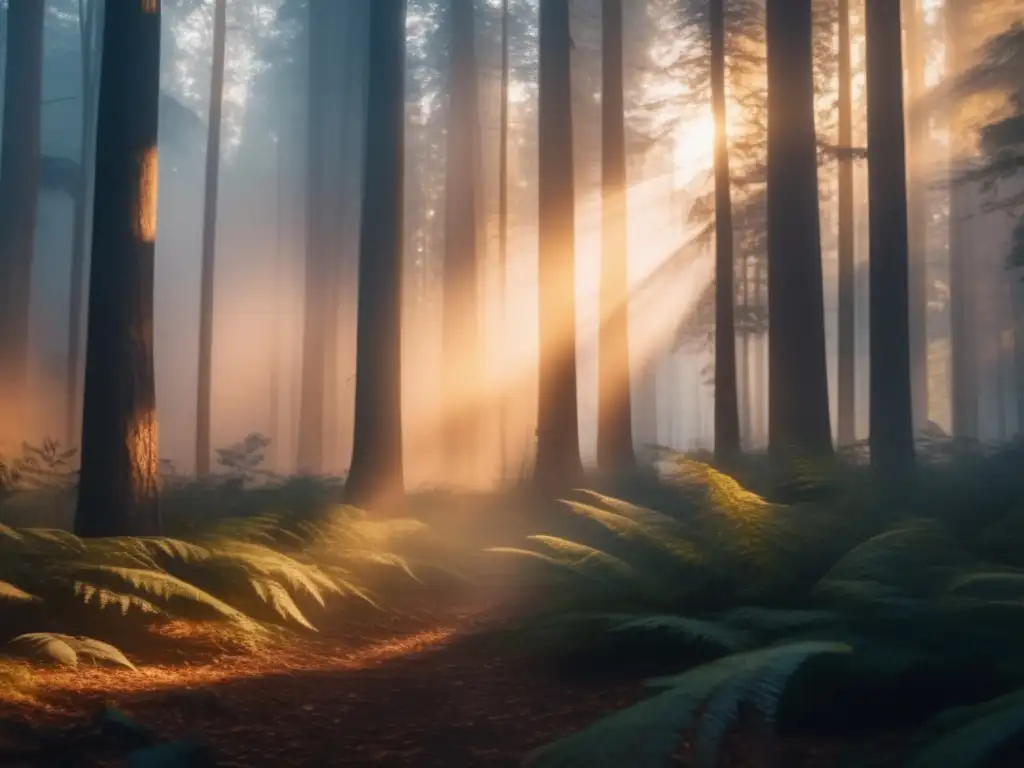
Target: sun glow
[[694, 148]]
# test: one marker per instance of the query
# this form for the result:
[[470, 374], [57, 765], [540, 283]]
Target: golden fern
[[90, 594], [68, 649], [14, 594]]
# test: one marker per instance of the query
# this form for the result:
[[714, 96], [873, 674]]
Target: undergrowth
[[837, 612], [258, 555]]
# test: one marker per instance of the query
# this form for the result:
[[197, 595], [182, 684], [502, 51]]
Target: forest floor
[[397, 689]]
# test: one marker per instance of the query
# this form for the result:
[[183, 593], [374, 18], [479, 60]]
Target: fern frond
[[973, 735], [66, 649], [90, 593], [13, 594], [712, 632], [278, 598], [646, 734], [989, 584]]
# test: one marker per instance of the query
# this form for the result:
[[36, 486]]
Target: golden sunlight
[[145, 203], [694, 148]]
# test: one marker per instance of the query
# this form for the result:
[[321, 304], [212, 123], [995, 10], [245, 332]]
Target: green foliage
[[927, 601], [645, 735]]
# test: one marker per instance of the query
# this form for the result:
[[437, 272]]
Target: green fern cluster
[[899, 613], [251, 572]]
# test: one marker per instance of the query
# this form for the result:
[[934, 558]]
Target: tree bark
[[727, 420], [891, 418], [204, 384], [847, 367], [798, 384], [19, 194], [120, 471], [558, 464], [461, 351], [614, 408], [376, 474]]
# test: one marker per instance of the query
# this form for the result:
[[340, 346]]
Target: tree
[[917, 211], [963, 360], [19, 185], [205, 377], [727, 421], [891, 417], [376, 471], [846, 389], [798, 386], [119, 479], [558, 463], [614, 416], [317, 294], [461, 351], [89, 18], [503, 231]]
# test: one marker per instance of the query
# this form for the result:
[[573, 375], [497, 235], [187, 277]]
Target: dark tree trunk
[[846, 390], [917, 214], [614, 414], [558, 464], [310, 459], [727, 420], [503, 395], [19, 194], [798, 385], [120, 474], [89, 13], [376, 472], [963, 358], [461, 351], [891, 420], [204, 385]]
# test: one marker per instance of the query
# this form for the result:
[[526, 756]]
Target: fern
[[13, 594], [67, 649], [968, 737], [645, 735], [686, 628], [90, 594]]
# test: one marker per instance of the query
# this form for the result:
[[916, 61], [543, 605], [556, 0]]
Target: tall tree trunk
[[614, 408], [963, 360], [89, 13], [376, 473], [891, 420], [310, 457], [917, 213], [846, 380], [204, 384], [798, 383], [461, 351], [727, 419], [558, 464], [19, 194], [503, 395], [120, 473]]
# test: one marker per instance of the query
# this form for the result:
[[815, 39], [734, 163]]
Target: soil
[[397, 690]]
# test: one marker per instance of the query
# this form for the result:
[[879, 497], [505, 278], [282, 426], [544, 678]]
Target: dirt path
[[399, 691]]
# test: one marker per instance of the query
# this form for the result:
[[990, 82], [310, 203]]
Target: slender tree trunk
[[558, 464], [310, 458], [88, 16], [963, 360], [614, 408], [1018, 351], [917, 213], [120, 471], [19, 194], [746, 416], [460, 323], [503, 242], [204, 384], [274, 406], [847, 343], [891, 419], [727, 420], [376, 473], [798, 382]]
